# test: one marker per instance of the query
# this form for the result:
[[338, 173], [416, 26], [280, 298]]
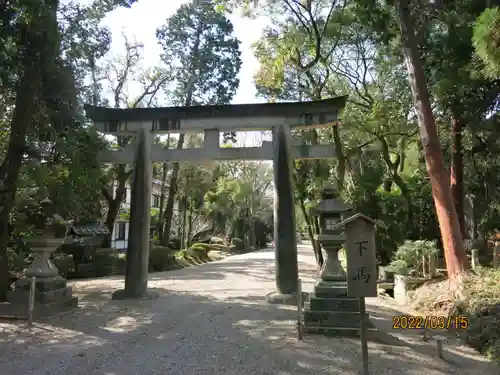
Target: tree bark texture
[[115, 201], [457, 173], [172, 191], [40, 41], [456, 259]]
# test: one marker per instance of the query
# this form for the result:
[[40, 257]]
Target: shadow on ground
[[195, 332]]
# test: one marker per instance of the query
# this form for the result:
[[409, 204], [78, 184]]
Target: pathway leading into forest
[[210, 319]]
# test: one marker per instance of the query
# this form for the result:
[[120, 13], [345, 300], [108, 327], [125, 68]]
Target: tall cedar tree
[[198, 41]]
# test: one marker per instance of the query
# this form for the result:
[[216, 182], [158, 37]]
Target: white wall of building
[[119, 236]]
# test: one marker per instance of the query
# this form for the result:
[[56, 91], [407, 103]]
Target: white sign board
[[361, 257]]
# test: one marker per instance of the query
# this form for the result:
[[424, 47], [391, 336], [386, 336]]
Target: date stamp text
[[429, 322]]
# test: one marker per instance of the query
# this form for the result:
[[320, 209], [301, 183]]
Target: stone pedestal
[[330, 311], [52, 295]]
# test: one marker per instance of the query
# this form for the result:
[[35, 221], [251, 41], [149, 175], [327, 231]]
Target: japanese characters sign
[[361, 257]]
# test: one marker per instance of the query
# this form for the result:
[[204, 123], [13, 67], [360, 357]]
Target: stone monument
[[52, 295]]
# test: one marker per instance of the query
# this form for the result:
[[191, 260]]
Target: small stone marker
[[361, 257]]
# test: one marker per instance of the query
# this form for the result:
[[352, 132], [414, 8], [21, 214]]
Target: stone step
[[324, 291], [340, 331], [334, 304], [40, 310], [341, 319]]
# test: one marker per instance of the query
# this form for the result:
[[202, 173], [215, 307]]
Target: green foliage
[[65, 264], [18, 261], [198, 41], [486, 40], [216, 241], [409, 255], [161, 258], [103, 263], [238, 243], [480, 306], [203, 246]]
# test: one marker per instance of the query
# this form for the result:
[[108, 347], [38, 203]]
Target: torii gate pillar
[[136, 269], [286, 263]]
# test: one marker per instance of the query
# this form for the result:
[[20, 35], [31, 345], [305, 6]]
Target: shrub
[[409, 255], [481, 307], [217, 240], [174, 243], [202, 246], [64, 264], [238, 243], [103, 262], [17, 260], [198, 252], [227, 249], [161, 258], [217, 247], [120, 264]]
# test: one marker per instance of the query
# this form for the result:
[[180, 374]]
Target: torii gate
[[212, 120]]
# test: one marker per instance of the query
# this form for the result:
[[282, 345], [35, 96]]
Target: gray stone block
[[334, 319], [285, 299], [372, 332], [40, 310], [347, 304], [21, 296], [330, 289]]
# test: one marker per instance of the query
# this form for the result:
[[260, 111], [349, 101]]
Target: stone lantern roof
[[330, 202]]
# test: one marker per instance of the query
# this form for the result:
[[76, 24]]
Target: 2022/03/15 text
[[431, 321]]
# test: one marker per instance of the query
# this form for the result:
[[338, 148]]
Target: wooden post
[[361, 270], [31, 304], [424, 266], [474, 259], [364, 338], [496, 255], [439, 345], [299, 309], [432, 265]]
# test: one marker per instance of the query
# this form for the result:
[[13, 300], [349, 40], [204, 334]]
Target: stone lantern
[[51, 293], [331, 211]]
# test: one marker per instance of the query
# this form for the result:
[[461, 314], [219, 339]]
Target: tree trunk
[[317, 231], [162, 200], [457, 173], [311, 232], [40, 40], [394, 177], [115, 201], [189, 232], [447, 215], [172, 191], [341, 166]]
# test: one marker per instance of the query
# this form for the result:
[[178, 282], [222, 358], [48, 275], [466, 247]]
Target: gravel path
[[210, 319]]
